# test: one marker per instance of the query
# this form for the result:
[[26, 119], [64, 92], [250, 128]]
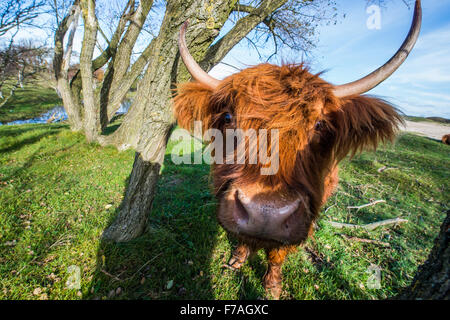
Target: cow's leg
[[239, 256], [273, 280]]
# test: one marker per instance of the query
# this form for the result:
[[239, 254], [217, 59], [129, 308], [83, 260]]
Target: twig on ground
[[382, 169], [370, 226], [134, 274], [329, 208], [383, 244], [9, 243], [112, 276], [208, 204], [144, 265], [228, 267], [63, 240], [367, 205]]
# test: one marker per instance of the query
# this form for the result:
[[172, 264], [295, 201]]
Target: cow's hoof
[[273, 283], [238, 258]]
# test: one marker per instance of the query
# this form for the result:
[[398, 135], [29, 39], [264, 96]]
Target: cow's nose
[[266, 219]]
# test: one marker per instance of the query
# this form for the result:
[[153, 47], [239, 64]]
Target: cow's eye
[[319, 125], [228, 118]]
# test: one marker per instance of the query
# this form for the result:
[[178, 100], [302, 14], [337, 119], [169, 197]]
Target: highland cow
[[446, 139], [318, 123]]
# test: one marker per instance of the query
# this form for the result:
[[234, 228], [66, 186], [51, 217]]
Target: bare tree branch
[[240, 30], [289, 23], [16, 13], [370, 226], [20, 64]]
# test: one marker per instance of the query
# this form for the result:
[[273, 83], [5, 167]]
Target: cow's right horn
[[194, 69]]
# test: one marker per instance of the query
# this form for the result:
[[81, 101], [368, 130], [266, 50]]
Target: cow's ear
[[362, 122], [192, 103]]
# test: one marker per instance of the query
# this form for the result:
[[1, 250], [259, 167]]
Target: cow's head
[[317, 125]]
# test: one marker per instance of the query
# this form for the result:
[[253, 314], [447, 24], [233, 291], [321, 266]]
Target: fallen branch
[[383, 244], [382, 169], [370, 226], [329, 208], [134, 274], [110, 275], [9, 243], [144, 265], [367, 205]]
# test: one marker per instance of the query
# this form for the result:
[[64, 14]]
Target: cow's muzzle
[[264, 216]]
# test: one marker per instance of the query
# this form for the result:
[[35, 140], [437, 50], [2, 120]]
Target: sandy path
[[429, 129]]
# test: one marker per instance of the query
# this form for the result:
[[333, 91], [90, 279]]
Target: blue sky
[[350, 50]]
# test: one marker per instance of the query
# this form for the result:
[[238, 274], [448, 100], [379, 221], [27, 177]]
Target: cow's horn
[[375, 78], [194, 69]]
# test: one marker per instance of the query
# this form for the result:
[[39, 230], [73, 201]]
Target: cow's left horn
[[375, 78], [194, 69]]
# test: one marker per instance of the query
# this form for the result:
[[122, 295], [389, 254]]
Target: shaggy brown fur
[[446, 139], [316, 131]]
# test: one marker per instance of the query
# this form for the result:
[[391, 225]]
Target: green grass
[[29, 102], [439, 120], [58, 193]]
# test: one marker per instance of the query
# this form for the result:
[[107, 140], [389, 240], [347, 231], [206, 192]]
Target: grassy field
[[29, 102], [439, 120], [58, 193]]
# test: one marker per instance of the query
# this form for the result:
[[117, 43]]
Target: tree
[[150, 125], [432, 281], [147, 127], [17, 13], [156, 68], [20, 64]]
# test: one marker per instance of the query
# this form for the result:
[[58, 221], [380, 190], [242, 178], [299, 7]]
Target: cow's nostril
[[241, 213], [291, 221]]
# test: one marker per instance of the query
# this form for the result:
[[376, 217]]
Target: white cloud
[[221, 71]]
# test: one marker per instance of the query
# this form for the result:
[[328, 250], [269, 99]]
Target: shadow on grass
[[332, 267], [22, 186], [178, 256], [18, 130], [172, 260], [113, 125]]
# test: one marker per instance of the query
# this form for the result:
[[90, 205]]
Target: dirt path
[[429, 129]]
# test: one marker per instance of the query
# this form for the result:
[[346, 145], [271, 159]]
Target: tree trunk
[[432, 281], [147, 125], [91, 116], [61, 64], [73, 109], [138, 201], [149, 120]]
